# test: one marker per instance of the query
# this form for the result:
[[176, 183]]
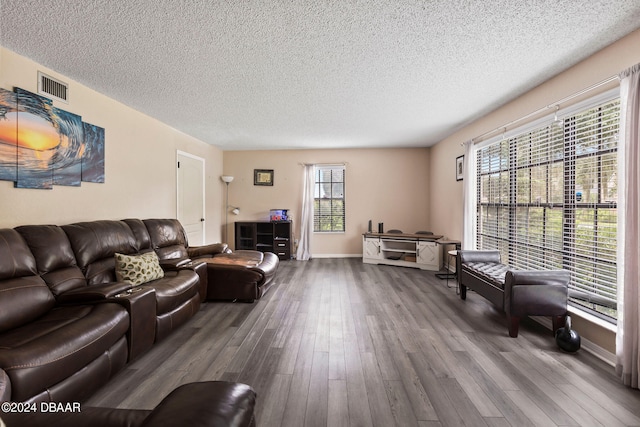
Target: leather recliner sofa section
[[48, 351], [240, 275], [95, 244]]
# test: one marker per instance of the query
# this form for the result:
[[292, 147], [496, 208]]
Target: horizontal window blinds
[[547, 199]]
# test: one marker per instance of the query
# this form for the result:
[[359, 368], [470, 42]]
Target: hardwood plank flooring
[[340, 343]]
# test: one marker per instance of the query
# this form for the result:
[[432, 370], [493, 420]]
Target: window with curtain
[[547, 199], [329, 201]]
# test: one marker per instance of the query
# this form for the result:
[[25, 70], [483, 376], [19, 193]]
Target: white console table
[[406, 250]]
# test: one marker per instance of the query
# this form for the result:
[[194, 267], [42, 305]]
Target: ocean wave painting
[[67, 159], [93, 157], [8, 136], [42, 146]]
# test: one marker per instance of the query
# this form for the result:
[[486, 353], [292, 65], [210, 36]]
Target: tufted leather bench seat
[[516, 292]]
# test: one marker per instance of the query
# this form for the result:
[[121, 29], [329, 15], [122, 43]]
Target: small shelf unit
[[264, 236]]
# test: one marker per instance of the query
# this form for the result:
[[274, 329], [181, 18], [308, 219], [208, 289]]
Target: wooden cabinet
[[264, 236], [407, 250]]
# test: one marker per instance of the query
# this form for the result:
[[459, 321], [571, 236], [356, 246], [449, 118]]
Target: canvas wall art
[[42, 146], [8, 136], [93, 156]]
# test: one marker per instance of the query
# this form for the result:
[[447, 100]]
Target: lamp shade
[[226, 178]]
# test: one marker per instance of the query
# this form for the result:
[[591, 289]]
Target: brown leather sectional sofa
[[67, 325]]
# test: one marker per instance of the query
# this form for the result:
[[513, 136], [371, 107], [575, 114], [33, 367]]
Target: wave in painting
[[8, 135], [49, 143], [93, 157]]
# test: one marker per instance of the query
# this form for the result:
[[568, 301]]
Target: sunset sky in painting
[[34, 132]]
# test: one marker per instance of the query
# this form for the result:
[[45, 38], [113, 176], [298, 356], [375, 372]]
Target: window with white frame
[[329, 210], [547, 199]]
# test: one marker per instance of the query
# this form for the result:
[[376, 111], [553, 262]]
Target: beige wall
[[446, 193], [140, 163], [382, 185]]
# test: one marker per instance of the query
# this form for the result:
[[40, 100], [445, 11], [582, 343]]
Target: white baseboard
[[586, 345], [336, 255]]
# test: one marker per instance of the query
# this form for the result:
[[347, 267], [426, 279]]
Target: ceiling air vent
[[48, 86]]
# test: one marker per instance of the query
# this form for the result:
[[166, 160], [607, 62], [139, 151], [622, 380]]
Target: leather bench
[[518, 293]]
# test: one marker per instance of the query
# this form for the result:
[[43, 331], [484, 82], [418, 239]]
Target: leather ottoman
[[241, 275]]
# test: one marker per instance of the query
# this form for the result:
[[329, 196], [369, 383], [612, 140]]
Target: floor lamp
[[227, 179]]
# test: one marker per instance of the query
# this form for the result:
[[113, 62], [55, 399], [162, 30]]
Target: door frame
[[201, 159]]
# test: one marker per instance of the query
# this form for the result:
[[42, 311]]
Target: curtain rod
[[545, 108]]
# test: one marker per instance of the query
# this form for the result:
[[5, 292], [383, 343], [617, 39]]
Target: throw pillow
[[138, 269]]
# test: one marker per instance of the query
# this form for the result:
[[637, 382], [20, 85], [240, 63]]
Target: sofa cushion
[[140, 232], [24, 296], [138, 269], [16, 260], [57, 267], [50, 349], [491, 271], [167, 238], [94, 245]]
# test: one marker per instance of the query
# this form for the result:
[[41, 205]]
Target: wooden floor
[[337, 342]]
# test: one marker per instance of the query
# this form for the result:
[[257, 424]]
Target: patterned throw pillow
[[138, 269]]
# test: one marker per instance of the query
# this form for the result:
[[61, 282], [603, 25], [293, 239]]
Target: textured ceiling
[[313, 73]]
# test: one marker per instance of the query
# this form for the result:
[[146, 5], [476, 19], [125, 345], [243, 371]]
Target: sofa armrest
[[199, 267], [467, 256], [205, 404], [93, 293], [536, 292], [175, 263], [208, 251]]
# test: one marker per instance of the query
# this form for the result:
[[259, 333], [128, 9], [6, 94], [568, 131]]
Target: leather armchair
[[203, 404]]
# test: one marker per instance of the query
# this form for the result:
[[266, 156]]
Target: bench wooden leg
[[463, 292], [514, 325], [558, 322]]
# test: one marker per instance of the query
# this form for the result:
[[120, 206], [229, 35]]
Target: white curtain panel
[[306, 228], [469, 198], [628, 333]]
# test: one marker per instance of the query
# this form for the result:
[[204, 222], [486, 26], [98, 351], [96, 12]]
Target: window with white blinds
[[329, 212], [547, 199]]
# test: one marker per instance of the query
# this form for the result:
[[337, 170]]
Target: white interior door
[[191, 196]]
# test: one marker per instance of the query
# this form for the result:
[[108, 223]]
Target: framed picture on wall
[[459, 168], [263, 177]]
